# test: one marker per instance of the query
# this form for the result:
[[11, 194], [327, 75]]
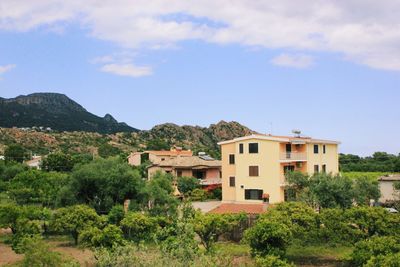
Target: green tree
[[14, 153], [187, 184], [390, 260], [106, 150], [272, 261], [103, 183], [158, 195], [74, 220], [365, 189], [374, 247], [116, 214], [59, 162], [138, 226], [268, 237], [36, 187], [210, 226], [109, 237]]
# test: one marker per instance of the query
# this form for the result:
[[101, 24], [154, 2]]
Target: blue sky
[[209, 66]]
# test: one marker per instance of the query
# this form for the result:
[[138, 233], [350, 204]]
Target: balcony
[[293, 156]]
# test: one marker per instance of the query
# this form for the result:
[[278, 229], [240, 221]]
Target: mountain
[[56, 111]]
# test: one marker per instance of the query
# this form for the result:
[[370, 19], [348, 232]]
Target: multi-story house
[[254, 167]]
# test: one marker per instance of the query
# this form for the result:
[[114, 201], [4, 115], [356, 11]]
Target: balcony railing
[[293, 156]]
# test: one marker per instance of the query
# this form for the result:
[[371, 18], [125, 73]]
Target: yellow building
[[253, 167]]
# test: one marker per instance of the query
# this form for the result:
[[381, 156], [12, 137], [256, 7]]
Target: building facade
[[386, 186], [254, 167]]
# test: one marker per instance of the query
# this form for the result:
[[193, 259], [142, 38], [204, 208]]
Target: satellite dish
[[296, 132]]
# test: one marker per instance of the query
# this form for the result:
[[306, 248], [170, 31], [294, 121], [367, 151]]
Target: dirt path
[[7, 255]]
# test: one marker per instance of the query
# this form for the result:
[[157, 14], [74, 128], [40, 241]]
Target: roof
[[188, 162], [392, 177], [233, 208], [280, 139], [185, 153]]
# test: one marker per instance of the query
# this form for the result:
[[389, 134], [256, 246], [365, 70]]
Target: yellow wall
[[331, 158], [228, 193]]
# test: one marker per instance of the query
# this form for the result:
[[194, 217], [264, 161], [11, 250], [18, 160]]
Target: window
[[241, 148], [253, 170], [179, 173], [231, 159], [255, 194], [316, 168], [324, 168], [316, 149], [232, 181], [288, 168], [253, 148], [324, 149]]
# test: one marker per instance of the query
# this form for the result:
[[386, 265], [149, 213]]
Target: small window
[[179, 173], [316, 149], [232, 159], [316, 168], [253, 171], [324, 168], [253, 148], [254, 194], [232, 181], [324, 149], [241, 148]]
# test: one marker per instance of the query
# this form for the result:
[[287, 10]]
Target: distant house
[[2, 158], [386, 186], [180, 163], [35, 162]]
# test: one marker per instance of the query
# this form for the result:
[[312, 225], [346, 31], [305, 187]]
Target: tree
[[59, 162], [390, 260], [158, 195], [116, 214], [36, 187], [299, 217], [365, 189], [74, 220], [14, 153], [9, 171], [272, 261], [187, 184], [268, 237], [138, 226], [104, 183], [374, 247], [109, 237], [106, 150], [210, 226]]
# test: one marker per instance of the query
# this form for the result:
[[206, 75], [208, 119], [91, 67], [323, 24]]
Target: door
[[288, 150]]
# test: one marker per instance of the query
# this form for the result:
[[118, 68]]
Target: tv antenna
[[296, 132]]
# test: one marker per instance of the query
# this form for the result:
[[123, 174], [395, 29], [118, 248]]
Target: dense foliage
[[378, 162]]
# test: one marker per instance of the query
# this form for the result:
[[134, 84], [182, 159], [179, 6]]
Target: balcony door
[[288, 150]]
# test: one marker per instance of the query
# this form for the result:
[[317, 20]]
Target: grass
[[319, 255]]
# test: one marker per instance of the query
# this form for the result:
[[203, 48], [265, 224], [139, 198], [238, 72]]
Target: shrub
[[138, 226], [374, 247], [210, 226], [116, 214], [187, 184], [268, 237], [198, 195], [391, 260], [272, 261], [109, 237]]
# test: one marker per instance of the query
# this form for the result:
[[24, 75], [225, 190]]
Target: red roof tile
[[239, 208]]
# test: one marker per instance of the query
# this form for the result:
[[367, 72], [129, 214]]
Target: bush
[[391, 260], [139, 227], [187, 184], [109, 237], [268, 237], [116, 214], [374, 247], [199, 195], [272, 261]]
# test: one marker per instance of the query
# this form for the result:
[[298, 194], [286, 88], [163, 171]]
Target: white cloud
[[127, 70], [6, 68], [365, 32], [299, 61]]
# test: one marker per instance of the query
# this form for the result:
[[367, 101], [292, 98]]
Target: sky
[[329, 68]]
